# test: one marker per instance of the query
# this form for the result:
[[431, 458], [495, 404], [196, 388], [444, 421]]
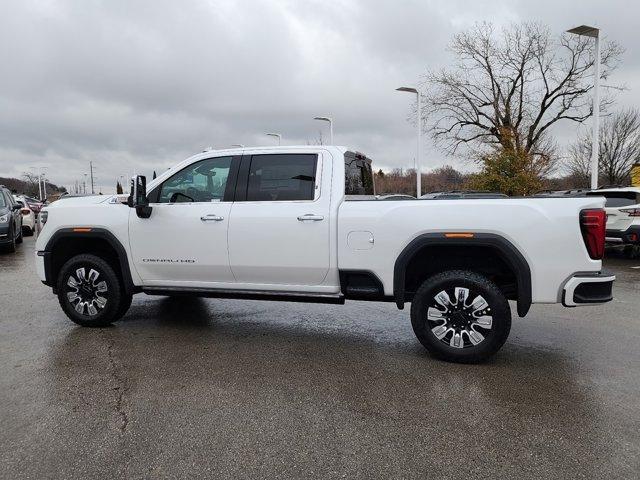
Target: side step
[[247, 294]]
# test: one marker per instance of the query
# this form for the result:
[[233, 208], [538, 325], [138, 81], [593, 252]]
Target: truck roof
[[276, 148]]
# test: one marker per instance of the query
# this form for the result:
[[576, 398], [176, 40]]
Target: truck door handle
[[310, 216], [211, 218]]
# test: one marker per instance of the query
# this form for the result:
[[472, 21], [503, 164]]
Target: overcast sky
[[141, 85]]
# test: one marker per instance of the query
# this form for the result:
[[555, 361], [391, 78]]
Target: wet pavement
[[226, 388]]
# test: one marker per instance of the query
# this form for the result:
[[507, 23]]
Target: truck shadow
[[262, 375]]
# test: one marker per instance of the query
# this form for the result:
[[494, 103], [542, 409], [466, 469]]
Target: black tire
[[478, 337], [19, 239], [631, 251], [100, 295], [27, 231], [125, 304], [11, 246]]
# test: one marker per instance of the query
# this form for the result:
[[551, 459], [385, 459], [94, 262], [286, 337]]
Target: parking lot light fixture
[[277, 135], [330, 120], [593, 32], [419, 123]]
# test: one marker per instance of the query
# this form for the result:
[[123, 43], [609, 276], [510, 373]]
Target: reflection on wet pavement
[[226, 388]]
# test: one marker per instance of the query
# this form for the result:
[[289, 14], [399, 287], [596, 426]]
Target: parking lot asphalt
[[246, 389]]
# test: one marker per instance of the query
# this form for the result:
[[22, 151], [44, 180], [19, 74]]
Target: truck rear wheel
[[90, 292], [460, 316]]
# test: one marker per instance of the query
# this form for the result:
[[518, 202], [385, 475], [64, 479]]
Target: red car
[[34, 205]]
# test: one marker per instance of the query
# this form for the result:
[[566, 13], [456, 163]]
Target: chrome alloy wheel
[[86, 293], [460, 320]]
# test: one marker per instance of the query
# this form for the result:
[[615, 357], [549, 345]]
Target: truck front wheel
[[460, 316], [89, 291]]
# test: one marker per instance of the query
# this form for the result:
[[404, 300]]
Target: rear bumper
[[631, 235], [29, 221], [588, 289]]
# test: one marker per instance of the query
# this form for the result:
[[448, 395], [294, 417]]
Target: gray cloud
[[141, 85]]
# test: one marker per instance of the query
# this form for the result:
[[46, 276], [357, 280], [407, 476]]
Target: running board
[[247, 294]]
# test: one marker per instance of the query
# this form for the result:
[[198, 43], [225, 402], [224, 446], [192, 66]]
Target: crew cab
[[303, 224]]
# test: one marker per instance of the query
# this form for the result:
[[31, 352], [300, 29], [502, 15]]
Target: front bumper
[[588, 289], [43, 267], [4, 234], [631, 235]]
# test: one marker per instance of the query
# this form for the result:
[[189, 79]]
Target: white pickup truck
[[303, 224]]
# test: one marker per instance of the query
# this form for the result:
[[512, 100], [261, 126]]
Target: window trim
[[229, 189], [243, 178]]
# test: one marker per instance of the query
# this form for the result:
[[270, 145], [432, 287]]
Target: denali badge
[[168, 260]]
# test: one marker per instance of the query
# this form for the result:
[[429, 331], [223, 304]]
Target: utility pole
[[91, 169]]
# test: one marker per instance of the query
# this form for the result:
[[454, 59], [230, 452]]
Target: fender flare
[[509, 253], [99, 233]]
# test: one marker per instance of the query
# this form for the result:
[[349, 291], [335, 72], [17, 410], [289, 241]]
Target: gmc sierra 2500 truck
[[303, 224]]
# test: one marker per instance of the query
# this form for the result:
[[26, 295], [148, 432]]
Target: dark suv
[[10, 221]]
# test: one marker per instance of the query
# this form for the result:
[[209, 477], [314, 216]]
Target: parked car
[[457, 194], [10, 221], [281, 223], [28, 215], [34, 205], [623, 214]]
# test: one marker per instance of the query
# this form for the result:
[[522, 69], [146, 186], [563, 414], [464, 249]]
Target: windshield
[[2, 201]]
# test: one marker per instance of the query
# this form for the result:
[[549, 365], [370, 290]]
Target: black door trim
[[247, 294]]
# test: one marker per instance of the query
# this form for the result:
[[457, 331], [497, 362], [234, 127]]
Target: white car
[[28, 215], [303, 224], [623, 214]]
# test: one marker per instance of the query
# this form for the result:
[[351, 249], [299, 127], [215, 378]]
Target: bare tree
[[619, 148], [31, 183], [507, 90]]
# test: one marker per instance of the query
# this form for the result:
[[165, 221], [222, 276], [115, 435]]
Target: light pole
[[327, 119], [593, 32], [39, 184], [277, 135], [42, 179], [419, 122]]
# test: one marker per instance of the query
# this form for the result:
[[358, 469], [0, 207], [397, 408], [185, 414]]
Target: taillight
[[25, 211], [592, 224], [632, 212]]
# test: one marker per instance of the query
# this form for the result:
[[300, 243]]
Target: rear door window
[[282, 177]]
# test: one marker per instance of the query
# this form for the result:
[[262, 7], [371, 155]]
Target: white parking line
[[636, 267]]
